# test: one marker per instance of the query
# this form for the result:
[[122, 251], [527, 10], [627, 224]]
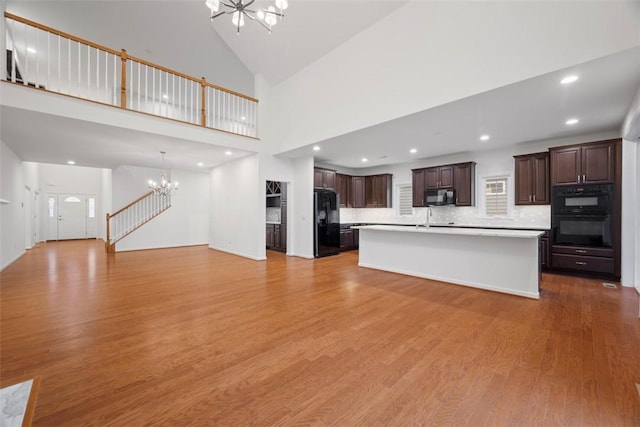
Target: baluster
[[130, 97], [13, 56], [173, 96], [123, 78], [37, 49], [88, 71], [69, 66], [146, 91], [138, 66], [97, 74], [79, 68], [25, 77]]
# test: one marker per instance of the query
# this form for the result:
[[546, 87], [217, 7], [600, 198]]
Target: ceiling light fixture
[[239, 9], [200, 164], [228, 153], [569, 79], [31, 50], [484, 138], [571, 122], [165, 96], [71, 162], [365, 160], [165, 187], [316, 148], [413, 151]]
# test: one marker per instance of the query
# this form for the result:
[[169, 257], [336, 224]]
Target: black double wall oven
[[582, 215]]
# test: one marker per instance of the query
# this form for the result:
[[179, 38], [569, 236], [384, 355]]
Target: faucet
[[426, 221]]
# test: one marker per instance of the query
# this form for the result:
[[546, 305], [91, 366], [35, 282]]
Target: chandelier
[[239, 9], [165, 187]]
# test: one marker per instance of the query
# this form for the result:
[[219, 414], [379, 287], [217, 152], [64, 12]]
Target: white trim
[[11, 261], [237, 253], [4, 202]]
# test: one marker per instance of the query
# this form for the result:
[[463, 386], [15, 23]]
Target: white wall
[[302, 215], [146, 29], [398, 66], [186, 223], [106, 199], [637, 222], [12, 227], [237, 208], [629, 213]]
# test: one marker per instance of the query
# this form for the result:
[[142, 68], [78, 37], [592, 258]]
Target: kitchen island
[[492, 259]]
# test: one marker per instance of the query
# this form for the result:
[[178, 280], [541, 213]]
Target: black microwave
[[439, 197]]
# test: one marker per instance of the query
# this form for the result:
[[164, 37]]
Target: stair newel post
[[108, 237], [123, 78], [203, 112]]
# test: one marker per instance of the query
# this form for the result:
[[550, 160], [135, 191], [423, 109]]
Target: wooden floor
[[192, 336]]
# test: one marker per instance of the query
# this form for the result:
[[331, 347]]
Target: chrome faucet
[[426, 221]]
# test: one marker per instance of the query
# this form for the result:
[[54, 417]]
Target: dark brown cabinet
[[417, 185], [358, 192], [532, 179], [460, 176], [439, 177], [377, 192], [464, 183], [276, 237], [344, 190], [584, 259], [324, 178], [544, 250], [583, 164]]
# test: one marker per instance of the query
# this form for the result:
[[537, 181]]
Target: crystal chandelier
[[239, 9], [165, 187]]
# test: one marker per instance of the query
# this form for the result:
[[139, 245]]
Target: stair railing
[[133, 216]]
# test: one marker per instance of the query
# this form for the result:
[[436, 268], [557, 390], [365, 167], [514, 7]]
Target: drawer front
[[582, 251], [582, 263]]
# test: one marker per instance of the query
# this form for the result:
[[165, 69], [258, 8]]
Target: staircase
[[133, 216]]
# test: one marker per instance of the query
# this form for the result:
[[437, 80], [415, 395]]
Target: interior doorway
[[71, 216], [276, 216]]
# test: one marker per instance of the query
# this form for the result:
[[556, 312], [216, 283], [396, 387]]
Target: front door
[[71, 216]]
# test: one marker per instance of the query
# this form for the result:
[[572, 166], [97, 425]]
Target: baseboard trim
[[17, 257], [237, 253]]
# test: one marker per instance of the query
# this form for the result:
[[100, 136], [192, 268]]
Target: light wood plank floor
[[192, 336]]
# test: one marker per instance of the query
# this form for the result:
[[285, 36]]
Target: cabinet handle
[[581, 251], [578, 178], [534, 198], [580, 263], [584, 178], [530, 198]]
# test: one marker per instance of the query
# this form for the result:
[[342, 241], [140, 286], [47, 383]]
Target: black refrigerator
[[326, 233]]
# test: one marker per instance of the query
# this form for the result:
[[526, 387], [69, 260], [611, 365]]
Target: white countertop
[[527, 234], [273, 222]]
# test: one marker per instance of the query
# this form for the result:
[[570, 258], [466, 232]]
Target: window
[[405, 200], [51, 204], [92, 207], [72, 199], [496, 200]]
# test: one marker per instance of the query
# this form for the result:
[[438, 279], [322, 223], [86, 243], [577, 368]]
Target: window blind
[[496, 197], [405, 200]]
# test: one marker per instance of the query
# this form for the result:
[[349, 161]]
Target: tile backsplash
[[522, 216], [273, 214]]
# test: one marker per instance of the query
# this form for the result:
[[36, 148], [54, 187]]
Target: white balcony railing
[[45, 58]]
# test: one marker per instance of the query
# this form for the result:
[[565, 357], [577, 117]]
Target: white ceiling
[[531, 110], [309, 30]]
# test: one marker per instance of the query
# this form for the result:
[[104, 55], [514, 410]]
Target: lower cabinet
[[276, 237], [349, 238], [544, 250], [583, 259]]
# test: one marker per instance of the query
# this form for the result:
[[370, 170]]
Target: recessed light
[[31, 50], [413, 151], [228, 153], [316, 148], [200, 164], [365, 160], [71, 162], [484, 138], [165, 96], [571, 122], [569, 79], [243, 118]]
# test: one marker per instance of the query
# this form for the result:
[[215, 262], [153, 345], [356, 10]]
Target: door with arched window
[[71, 216]]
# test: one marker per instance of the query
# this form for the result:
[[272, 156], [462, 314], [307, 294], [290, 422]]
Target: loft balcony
[[44, 58]]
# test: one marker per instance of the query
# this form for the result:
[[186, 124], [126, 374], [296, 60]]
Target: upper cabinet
[[464, 175], [324, 178], [377, 192], [532, 179], [460, 176], [344, 190], [439, 177], [358, 192], [583, 164]]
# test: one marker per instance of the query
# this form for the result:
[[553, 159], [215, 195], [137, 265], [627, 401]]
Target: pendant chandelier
[[164, 187], [239, 9]]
